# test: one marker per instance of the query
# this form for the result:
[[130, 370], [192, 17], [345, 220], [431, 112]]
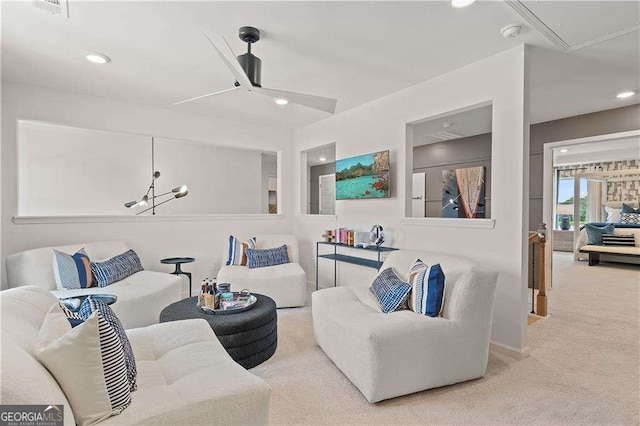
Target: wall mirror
[[320, 166], [69, 171], [450, 161]]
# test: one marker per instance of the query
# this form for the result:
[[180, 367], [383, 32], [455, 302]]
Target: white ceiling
[[468, 123], [352, 51], [328, 152], [594, 152]]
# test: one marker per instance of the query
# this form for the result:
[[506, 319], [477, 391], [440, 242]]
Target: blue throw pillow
[[594, 233], [626, 208], [88, 307], [268, 257], [117, 268], [427, 288], [391, 291]]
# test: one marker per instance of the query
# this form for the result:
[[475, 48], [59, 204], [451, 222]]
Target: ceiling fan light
[[98, 58], [626, 94], [281, 101], [459, 4]]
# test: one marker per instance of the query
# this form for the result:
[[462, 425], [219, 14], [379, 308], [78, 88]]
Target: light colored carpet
[[583, 366]]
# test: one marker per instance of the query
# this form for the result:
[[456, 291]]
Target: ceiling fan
[[247, 69]]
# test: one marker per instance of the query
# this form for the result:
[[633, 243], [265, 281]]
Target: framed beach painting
[[364, 176]]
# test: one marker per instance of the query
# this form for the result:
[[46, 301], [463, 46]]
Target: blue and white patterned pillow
[[117, 268], [427, 288], [72, 271], [91, 353], [88, 307], [630, 218], [391, 291], [237, 255], [267, 257]]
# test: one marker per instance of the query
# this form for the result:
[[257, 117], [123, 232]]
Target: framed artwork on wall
[[364, 176], [463, 193]]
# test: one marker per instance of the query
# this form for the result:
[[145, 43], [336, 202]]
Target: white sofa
[[389, 355], [141, 296], [285, 284], [185, 376]]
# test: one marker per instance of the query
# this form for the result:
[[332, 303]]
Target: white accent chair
[[185, 376], [141, 296], [389, 355], [285, 284]]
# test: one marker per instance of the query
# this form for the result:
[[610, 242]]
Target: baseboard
[[509, 351]]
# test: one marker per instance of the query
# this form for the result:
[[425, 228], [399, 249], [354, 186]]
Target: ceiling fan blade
[[224, 50], [207, 95], [311, 101]]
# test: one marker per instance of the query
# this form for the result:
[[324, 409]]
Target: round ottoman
[[250, 337]]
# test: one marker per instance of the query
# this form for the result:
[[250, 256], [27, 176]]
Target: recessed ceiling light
[[626, 94], [564, 150], [281, 101], [98, 58], [459, 4], [322, 159]]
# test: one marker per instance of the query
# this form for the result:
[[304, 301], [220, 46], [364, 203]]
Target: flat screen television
[[364, 176]]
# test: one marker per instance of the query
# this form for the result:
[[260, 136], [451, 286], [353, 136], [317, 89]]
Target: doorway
[[327, 191]]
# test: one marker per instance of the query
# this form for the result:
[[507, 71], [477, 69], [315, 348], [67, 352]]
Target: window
[[564, 202]]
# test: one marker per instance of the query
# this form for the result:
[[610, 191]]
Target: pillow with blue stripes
[[117, 268], [91, 305], [427, 289], [391, 291], [88, 363], [237, 250], [267, 257], [72, 271]]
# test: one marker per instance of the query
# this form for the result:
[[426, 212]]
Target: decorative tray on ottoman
[[245, 301]]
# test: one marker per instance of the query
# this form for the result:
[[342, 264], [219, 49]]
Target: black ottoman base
[[250, 337]]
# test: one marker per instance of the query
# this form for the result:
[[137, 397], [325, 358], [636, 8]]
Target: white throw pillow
[[613, 214], [88, 363]]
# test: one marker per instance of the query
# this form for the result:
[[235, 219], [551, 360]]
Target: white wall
[[380, 125], [153, 239]]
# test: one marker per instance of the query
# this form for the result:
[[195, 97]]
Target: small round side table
[[178, 261]]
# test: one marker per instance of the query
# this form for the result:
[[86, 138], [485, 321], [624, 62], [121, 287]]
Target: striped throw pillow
[[619, 240], [72, 271], [391, 291], [117, 268], [427, 288], [91, 305], [267, 257], [630, 218], [88, 363], [237, 255]]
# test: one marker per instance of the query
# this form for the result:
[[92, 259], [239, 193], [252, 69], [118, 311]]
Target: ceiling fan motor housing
[[252, 65]]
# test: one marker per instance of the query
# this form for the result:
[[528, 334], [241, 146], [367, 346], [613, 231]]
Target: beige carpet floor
[[583, 366]]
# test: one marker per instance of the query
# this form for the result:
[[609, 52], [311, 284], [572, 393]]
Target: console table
[[353, 259]]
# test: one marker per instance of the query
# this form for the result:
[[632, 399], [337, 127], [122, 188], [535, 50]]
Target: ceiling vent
[[441, 136], [55, 7]]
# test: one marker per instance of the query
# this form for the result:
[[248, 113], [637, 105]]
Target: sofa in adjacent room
[[141, 296], [285, 284], [184, 375], [389, 355]]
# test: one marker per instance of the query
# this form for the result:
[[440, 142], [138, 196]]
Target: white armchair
[[285, 284], [389, 355]]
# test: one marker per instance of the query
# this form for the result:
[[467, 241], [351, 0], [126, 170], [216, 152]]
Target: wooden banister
[[537, 280]]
